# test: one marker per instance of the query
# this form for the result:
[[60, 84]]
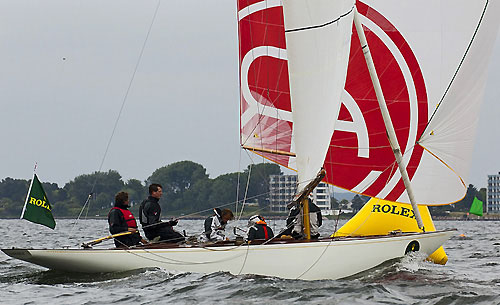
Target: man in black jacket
[[294, 226], [150, 218], [121, 220]]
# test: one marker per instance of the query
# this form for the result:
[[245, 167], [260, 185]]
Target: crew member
[[150, 218], [121, 220], [214, 225], [294, 221], [291, 222], [258, 228]]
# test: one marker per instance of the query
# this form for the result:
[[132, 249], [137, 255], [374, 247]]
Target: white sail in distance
[[318, 38]]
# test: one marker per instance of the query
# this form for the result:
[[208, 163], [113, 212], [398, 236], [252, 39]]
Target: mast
[[306, 218], [302, 200], [387, 119]]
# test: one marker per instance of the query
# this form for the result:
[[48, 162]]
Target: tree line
[[463, 205], [187, 188]]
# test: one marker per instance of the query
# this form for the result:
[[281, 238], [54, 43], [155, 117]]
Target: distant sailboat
[[312, 100]]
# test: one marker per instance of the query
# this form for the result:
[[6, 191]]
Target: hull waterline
[[314, 260]]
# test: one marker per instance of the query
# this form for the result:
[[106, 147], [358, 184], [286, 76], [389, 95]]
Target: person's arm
[[270, 232], [116, 222], [151, 213], [251, 233], [217, 234]]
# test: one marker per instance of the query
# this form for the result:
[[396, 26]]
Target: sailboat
[[387, 123]]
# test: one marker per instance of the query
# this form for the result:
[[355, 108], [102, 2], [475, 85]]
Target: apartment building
[[493, 194], [283, 187]]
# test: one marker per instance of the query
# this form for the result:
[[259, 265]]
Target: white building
[[281, 191], [493, 194], [283, 187]]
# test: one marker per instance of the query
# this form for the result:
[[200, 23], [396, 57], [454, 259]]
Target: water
[[472, 275]]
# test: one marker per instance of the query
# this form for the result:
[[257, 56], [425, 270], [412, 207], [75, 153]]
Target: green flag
[[37, 207], [477, 207]]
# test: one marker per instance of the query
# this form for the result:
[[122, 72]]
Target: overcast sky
[[65, 66]]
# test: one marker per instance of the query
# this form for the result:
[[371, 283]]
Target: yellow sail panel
[[380, 217]]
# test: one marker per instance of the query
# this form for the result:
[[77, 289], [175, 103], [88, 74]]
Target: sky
[[65, 67]]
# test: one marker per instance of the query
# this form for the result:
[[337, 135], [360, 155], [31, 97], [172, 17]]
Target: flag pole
[[29, 191]]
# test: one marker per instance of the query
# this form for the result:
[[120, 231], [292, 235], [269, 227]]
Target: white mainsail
[[318, 38]]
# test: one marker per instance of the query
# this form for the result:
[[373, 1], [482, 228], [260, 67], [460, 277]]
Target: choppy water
[[472, 275]]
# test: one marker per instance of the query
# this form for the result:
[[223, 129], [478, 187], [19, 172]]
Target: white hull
[[325, 259]]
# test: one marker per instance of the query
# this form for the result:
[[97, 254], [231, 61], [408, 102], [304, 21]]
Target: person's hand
[[174, 222], [132, 230]]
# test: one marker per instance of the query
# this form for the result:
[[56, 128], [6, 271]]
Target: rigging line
[[255, 75], [174, 261], [248, 183], [321, 25], [165, 260], [130, 83], [245, 260], [260, 112], [123, 102], [267, 182], [267, 241], [261, 118], [220, 206], [358, 147], [268, 86], [238, 183], [293, 223], [256, 211], [80, 214], [337, 220], [267, 78], [366, 219], [458, 68], [317, 260], [246, 191]]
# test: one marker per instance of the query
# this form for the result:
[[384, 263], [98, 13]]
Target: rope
[[170, 260], [317, 260], [238, 183], [220, 206], [121, 110], [246, 191], [245, 260]]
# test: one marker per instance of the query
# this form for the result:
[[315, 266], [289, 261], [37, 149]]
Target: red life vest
[[265, 232], [129, 218]]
